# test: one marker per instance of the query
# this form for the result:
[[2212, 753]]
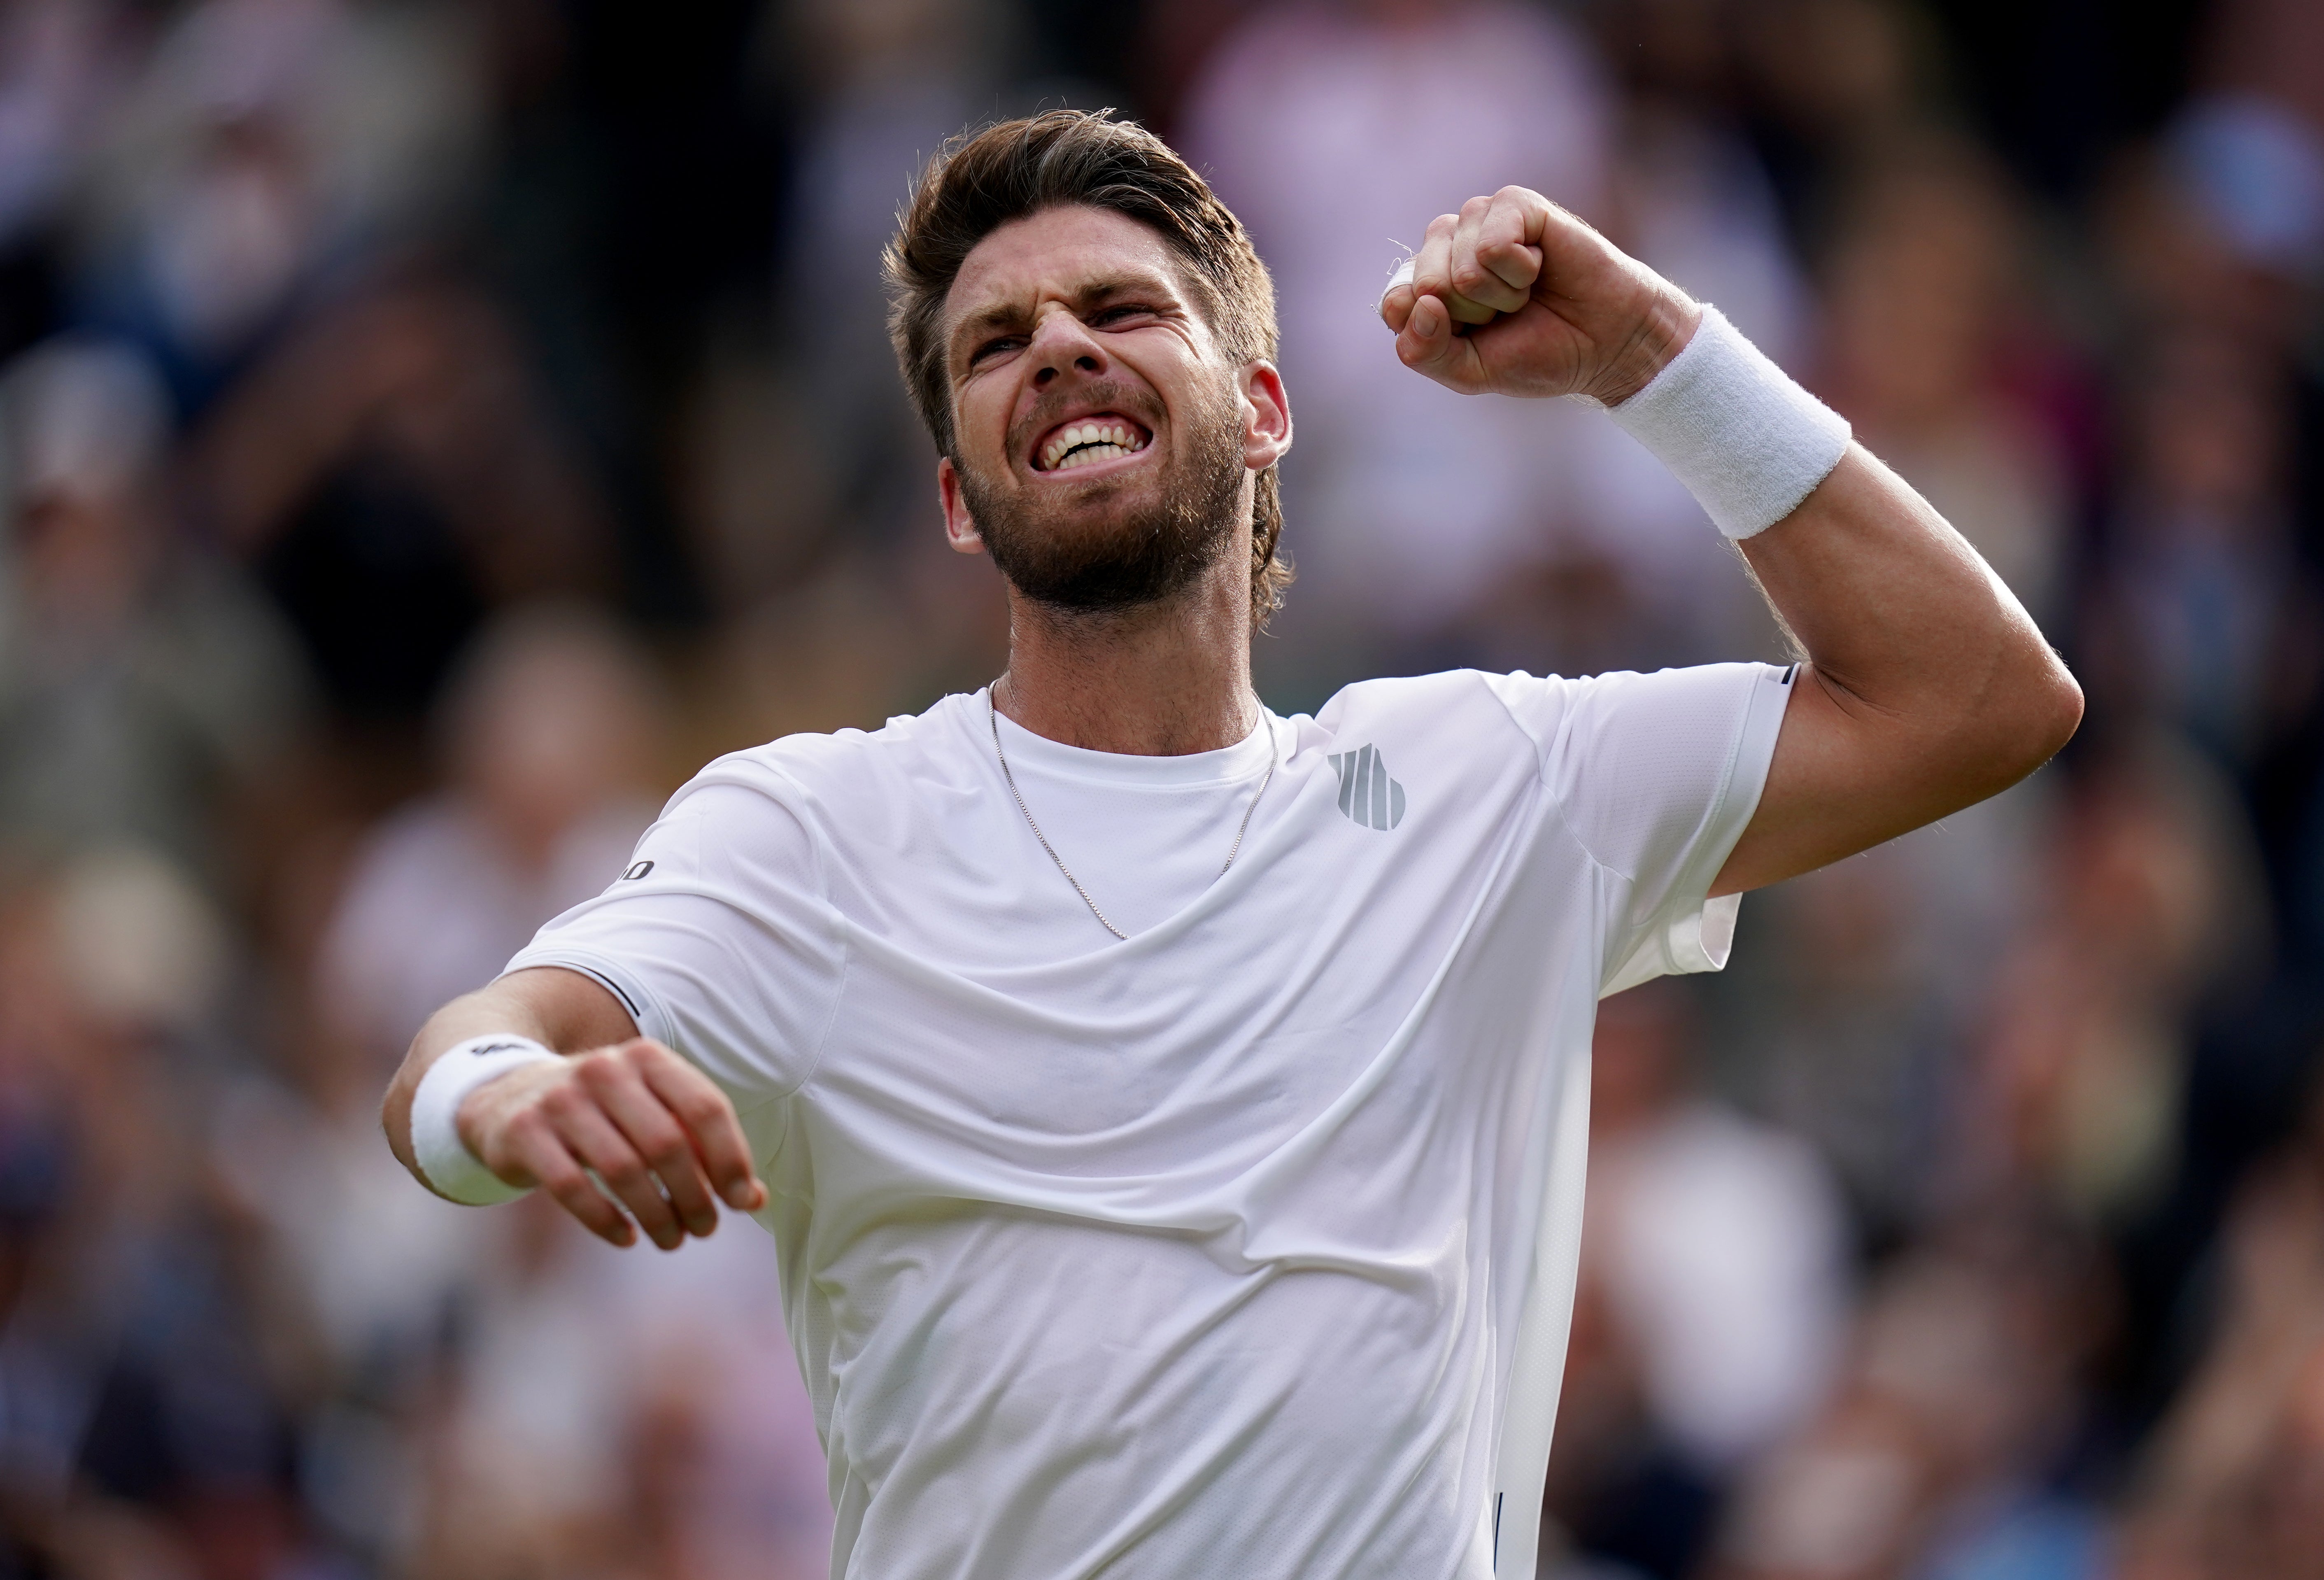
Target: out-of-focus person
[[1690, 195], [1931, 355], [149, 1374], [550, 748], [2232, 1480], [143, 685], [63, 66], [2203, 611], [1945, 1450], [611, 1416], [1333, 131], [878, 84], [2154, 904], [1715, 1284], [393, 473], [265, 147]]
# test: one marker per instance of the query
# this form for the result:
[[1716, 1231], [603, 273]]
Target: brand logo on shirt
[[1367, 796], [639, 871]]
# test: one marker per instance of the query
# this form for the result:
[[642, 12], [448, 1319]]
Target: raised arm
[[1927, 687], [663, 1138]]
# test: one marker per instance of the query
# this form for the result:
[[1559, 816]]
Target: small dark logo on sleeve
[[1367, 796], [639, 871]]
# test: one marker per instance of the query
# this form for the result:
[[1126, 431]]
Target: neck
[[1162, 680]]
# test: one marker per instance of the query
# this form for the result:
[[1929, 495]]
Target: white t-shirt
[[1244, 1246]]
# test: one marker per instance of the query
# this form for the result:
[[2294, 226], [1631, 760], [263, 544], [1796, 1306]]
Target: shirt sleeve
[[717, 938], [1655, 777]]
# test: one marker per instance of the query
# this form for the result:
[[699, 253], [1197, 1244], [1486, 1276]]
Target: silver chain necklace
[[993, 717]]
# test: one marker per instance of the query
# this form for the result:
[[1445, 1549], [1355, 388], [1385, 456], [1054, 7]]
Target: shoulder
[[1468, 703], [844, 775], [1421, 695]]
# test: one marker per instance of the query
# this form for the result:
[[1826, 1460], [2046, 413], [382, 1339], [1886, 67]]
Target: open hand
[[1544, 305], [661, 1136]]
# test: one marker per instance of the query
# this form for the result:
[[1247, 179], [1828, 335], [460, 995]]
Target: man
[[1171, 1116]]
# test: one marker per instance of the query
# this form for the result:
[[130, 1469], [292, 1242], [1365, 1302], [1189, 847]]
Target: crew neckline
[[1245, 760]]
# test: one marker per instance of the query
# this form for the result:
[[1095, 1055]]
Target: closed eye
[[994, 347], [1118, 311]]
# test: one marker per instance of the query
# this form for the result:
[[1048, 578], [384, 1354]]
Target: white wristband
[[1747, 440], [444, 1158]]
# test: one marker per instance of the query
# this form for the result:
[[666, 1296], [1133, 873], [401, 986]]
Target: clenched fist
[[660, 1135], [1515, 296]]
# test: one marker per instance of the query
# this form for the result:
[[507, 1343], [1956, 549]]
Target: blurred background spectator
[[428, 431]]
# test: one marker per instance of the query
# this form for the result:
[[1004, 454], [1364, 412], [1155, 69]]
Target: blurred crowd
[[428, 431]]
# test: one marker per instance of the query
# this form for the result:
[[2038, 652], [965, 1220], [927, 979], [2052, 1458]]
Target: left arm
[[1927, 685]]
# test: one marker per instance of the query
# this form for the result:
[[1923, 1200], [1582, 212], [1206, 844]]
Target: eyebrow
[[1006, 315]]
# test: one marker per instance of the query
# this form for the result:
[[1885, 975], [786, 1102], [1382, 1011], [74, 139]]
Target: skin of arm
[[661, 1136], [1927, 687]]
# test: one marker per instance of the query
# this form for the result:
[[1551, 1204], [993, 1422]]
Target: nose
[[1062, 342]]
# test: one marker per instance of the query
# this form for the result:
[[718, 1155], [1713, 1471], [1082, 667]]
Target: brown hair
[[979, 181]]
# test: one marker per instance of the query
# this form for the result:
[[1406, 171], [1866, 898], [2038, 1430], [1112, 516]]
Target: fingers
[[600, 1146], [1432, 272], [1508, 242], [530, 1148], [1428, 345], [1479, 264], [656, 1142], [659, 1136], [1396, 299], [709, 1119], [1472, 276]]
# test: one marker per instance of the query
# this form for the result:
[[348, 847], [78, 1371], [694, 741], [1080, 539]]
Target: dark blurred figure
[[2153, 905], [2206, 618], [2232, 1484], [62, 63], [393, 474]]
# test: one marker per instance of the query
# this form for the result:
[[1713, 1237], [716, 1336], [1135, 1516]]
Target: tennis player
[[1170, 1115]]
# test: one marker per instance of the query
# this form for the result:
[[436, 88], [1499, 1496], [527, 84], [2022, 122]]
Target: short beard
[[1139, 558]]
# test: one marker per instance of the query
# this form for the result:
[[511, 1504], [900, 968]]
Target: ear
[[1266, 417], [960, 527]]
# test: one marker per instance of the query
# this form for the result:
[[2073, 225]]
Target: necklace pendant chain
[[993, 717]]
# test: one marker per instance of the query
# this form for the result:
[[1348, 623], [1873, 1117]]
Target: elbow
[[2047, 711], [2065, 707]]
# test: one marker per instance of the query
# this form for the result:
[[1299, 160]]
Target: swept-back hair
[[979, 181]]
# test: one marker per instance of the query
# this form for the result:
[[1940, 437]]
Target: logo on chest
[[1367, 796]]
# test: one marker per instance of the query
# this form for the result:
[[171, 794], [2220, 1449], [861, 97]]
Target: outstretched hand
[[663, 1138], [1515, 296]]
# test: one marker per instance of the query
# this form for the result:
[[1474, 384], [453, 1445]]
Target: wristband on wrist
[[444, 1158], [1748, 443]]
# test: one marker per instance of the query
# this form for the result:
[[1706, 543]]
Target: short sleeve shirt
[[1240, 1245]]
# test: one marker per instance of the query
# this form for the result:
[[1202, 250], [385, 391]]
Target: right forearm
[[488, 1009], [559, 1009], [623, 1134]]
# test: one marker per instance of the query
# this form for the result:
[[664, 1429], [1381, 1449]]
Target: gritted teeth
[[1085, 439]]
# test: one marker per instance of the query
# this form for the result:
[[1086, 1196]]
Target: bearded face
[[1103, 440], [1115, 541]]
